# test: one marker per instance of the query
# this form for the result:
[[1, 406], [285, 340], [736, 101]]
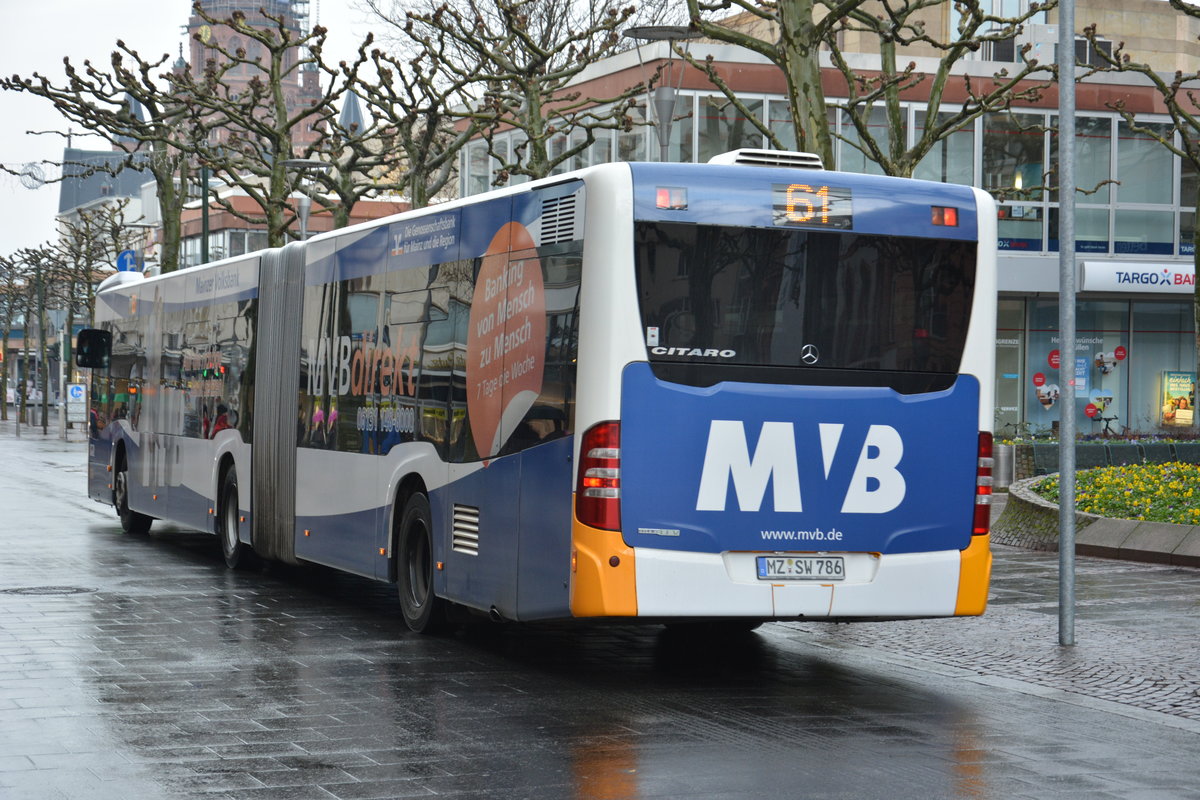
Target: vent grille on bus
[[769, 158], [466, 530], [558, 220]]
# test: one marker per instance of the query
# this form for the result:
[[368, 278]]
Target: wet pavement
[[141, 667]]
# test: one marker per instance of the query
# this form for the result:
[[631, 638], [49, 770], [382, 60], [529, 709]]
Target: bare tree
[[257, 127], [158, 143], [897, 24], [789, 35], [516, 61], [792, 36], [40, 265], [412, 105], [86, 248], [11, 303]]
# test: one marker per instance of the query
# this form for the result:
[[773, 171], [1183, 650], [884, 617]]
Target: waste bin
[[1002, 468]]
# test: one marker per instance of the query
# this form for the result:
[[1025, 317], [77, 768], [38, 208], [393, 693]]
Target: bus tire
[[132, 521], [424, 611], [237, 554]]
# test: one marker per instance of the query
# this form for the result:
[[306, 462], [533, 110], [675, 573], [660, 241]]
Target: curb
[[1031, 521]]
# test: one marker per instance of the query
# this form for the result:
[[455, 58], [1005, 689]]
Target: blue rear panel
[[741, 466]]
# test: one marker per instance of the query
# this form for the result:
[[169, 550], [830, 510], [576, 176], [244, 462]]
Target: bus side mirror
[[93, 348]]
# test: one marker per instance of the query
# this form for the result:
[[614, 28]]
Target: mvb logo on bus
[[876, 486], [859, 469]]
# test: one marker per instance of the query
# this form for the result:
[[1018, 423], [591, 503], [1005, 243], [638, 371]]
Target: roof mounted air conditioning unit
[[769, 158]]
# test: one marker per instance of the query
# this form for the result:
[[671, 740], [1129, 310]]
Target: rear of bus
[[785, 396]]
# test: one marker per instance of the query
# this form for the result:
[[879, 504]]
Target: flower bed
[[1153, 492]]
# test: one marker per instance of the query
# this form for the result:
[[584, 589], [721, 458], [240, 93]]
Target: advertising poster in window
[[1178, 398]]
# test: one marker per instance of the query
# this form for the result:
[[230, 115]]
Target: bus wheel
[[423, 611], [237, 554], [131, 521]]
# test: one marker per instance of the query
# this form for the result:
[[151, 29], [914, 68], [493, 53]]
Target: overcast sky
[[35, 37]]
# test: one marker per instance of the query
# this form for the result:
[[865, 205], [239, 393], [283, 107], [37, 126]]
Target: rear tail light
[[983, 486], [598, 493], [671, 198], [944, 215]]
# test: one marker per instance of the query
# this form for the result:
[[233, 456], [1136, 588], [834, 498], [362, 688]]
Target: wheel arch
[[222, 465], [225, 462], [228, 455], [118, 455], [408, 485]]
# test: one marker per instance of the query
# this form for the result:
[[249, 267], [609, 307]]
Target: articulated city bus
[[741, 391]]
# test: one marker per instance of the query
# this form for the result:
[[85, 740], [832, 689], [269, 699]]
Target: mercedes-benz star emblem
[[809, 354]]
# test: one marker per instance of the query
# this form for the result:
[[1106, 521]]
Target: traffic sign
[[76, 402], [127, 261]]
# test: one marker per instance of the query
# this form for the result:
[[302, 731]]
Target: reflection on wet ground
[[161, 674]]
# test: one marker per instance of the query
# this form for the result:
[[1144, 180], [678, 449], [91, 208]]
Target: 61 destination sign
[[812, 206]]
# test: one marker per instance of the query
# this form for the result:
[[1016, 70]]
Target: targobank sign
[[1124, 276]]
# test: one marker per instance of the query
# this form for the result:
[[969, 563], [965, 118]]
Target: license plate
[[801, 568]]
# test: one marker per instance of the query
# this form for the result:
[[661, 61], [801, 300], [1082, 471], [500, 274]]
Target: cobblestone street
[[1136, 635], [141, 667]]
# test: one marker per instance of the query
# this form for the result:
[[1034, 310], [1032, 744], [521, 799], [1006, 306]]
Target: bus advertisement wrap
[[506, 338], [677, 392]]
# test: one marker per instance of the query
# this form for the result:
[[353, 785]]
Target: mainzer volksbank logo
[[876, 487]]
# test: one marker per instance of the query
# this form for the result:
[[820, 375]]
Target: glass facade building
[[1135, 216]]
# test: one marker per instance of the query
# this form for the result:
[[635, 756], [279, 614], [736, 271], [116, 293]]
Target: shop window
[[723, 127], [478, 176], [1093, 156], [1189, 184], [600, 151], [681, 149], [952, 160], [1143, 164], [1019, 228], [1010, 344], [1162, 342], [631, 146], [1013, 156], [851, 158], [1091, 229], [1098, 363], [1143, 232], [781, 124]]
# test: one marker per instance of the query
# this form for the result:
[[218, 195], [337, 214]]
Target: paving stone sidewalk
[[138, 667], [1137, 633]]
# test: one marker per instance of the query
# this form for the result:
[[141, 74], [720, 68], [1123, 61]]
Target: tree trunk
[[170, 207], [806, 96]]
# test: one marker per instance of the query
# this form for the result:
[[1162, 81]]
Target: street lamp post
[[664, 96], [304, 204], [43, 366]]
